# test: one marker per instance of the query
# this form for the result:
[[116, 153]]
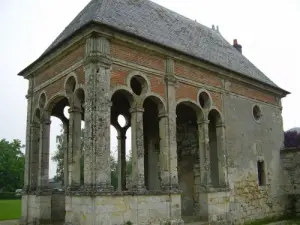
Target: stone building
[[206, 123]]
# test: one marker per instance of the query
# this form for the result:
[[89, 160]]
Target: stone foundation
[[117, 210]]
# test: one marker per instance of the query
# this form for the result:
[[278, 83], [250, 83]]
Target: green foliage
[[10, 209], [128, 223], [58, 157], [9, 195], [11, 165]]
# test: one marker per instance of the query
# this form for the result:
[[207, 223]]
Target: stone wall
[[290, 159], [111, 210], [249, 141], [58, 206]]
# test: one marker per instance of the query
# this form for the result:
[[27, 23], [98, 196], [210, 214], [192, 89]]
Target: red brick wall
[[60, 66], [252, 93], [186, 91], [119, 75], [196, 74], [137, 56]]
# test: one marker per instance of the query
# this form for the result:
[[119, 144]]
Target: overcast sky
[[268, 31]]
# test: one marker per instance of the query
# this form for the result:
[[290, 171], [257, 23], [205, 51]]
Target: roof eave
[[26, 71]]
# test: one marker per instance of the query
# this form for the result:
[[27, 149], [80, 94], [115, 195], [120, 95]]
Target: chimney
[[237, 46]]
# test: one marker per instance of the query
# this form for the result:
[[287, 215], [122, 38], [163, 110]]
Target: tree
[[58, 157], [291, 139], [12, 162]]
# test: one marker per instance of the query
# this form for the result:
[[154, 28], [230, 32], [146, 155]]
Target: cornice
[[138, 43]]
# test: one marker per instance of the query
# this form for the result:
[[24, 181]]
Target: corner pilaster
[[97, 66]]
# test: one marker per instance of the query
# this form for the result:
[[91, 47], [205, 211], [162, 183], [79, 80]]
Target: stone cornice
[[158, 50], [170, 53]]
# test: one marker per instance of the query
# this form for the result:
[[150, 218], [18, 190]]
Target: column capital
[[34, 125], [220, 125], [203, 122], [103, 60], [171, 80], [136, 109], [46, 121], [162, 115], [74, 109]]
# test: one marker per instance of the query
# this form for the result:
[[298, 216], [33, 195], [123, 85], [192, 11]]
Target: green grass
[[10, 209]]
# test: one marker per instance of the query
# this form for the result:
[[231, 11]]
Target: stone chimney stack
[[237, 46]]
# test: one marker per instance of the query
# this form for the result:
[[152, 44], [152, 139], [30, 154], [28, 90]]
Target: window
[[261, 173]]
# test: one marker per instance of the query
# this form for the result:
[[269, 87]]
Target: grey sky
[[268, 31]]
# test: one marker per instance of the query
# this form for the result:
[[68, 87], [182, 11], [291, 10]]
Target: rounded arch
[[124, 90], [204, 99], [217, 115], [60, 99], [79, 97], [194, 105], [158, 100], [70, 83], [42, 100], [145, 83]]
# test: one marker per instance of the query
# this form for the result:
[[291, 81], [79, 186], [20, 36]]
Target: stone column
[[28, 151], [28, 137], [137, 140], [97, 66], [205, 173], [222, 154], [43, 193], [164, 151], [34, 154], [74, 148], [43, 169], [121, 159], [66, 150], [171, 105]]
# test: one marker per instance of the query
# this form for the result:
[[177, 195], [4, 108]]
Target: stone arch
[[155, 141], [189, 114], [79, 97], [56, 104], [216, 134], [123, 100], [194, 105], [158, 100], [218, 114], [70, 83], [126, 91], [147, 84]]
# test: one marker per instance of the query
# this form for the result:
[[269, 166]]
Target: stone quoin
[[206, 124]]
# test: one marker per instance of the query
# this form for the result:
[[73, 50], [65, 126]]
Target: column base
[[137, 209], [89, 190]]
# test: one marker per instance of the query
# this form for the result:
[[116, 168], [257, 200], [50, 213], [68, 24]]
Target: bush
[[291, 139], [9, 195]]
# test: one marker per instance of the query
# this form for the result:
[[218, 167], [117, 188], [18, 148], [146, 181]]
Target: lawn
[[10, 209]]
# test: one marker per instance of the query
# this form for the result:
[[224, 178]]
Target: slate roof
[[157, 24]]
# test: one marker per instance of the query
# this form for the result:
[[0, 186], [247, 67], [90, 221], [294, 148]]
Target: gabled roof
[[157, 24]]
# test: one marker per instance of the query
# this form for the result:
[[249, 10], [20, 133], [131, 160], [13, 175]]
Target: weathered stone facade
[[205, 141]]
